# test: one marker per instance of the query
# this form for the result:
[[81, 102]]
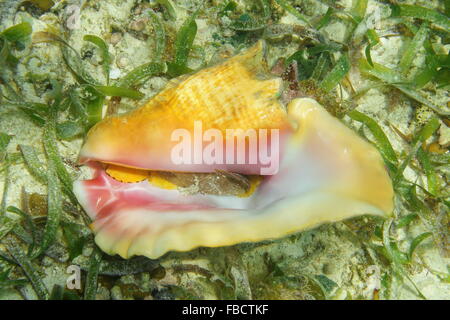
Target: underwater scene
[[224, 150]]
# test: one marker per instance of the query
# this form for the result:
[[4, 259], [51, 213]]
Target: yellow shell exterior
[[236, 94]]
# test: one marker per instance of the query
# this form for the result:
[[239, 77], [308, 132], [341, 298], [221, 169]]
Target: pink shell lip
[[124, 212]]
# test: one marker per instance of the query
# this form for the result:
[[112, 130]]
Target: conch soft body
[[326, 172]]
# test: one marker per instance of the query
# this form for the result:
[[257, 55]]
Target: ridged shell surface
[[235, 94]]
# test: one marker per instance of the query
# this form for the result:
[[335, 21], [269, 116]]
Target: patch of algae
[[331, 261]]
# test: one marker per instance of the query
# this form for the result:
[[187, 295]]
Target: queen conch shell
[[326, 173]]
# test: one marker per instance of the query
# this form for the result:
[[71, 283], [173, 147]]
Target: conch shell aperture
[[326, 171]]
